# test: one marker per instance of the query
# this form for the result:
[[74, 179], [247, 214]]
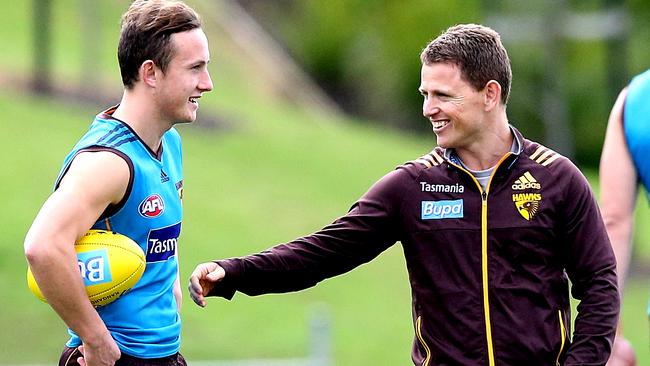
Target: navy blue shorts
[[69, 358]]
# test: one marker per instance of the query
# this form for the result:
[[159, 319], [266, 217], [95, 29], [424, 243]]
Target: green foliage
[[66, 38], [14, 33], [366, 55]]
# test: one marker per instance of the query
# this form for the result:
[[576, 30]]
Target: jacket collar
[[451, 156]]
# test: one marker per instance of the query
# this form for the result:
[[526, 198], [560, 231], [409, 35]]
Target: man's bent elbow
[[615, 221], [34, 251]]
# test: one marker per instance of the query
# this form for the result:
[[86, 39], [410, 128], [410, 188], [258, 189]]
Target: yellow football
[[109, 264]]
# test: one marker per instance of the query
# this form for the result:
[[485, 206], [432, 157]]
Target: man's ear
[[149, 73], [492, 94]]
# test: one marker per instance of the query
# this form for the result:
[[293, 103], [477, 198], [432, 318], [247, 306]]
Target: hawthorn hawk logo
[[527, 204]]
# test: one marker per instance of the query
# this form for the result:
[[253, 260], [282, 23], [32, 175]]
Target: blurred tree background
[[570, 58]]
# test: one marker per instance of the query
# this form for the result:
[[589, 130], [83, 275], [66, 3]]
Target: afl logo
[[152, 206]]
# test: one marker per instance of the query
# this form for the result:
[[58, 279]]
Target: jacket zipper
[[562, 337], [484, 271], [484, 256], [418, 332]]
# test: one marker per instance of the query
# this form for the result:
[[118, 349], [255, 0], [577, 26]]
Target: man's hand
[[105, 353], [203, 280], [622, 353]]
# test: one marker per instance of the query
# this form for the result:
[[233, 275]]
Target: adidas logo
[[527, 203], [526, 181], [163, 177]]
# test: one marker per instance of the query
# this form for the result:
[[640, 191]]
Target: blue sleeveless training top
[[144, 321], [636, 124], [636, 117]]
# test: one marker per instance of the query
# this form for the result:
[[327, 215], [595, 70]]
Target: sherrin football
[[109, 263]]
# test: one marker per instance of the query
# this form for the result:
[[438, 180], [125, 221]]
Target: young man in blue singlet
[[624, 164], [131, 155]]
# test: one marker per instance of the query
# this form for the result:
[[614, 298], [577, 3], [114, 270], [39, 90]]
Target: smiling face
[[455, 108], [186, 78]]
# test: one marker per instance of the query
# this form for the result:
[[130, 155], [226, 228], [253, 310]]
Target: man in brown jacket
[[493, 226]]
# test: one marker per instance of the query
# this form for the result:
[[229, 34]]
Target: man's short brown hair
[[478, 52], [147, 27]]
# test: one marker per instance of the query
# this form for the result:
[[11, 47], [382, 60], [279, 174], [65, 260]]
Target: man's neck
[[487, 152], [142, 118]]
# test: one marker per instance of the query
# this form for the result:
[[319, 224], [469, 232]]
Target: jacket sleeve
[[370, 227], [591, 267]]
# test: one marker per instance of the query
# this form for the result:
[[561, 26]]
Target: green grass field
[[276, 174], [245, 190]]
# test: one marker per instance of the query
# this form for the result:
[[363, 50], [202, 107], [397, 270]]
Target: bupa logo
[[152, 206], [94, 267], [437, 210]]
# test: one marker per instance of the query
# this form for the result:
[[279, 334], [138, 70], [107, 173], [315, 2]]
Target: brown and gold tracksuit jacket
[[489, 269]]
